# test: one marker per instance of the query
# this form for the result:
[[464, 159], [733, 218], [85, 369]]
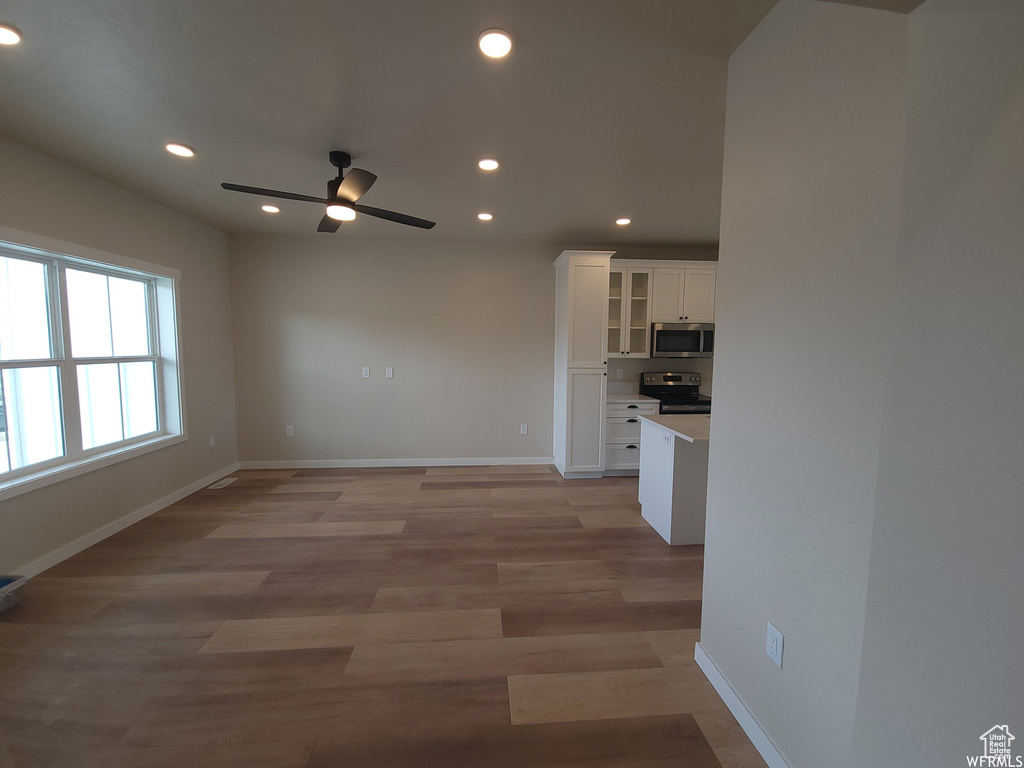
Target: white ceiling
[[604, 108]]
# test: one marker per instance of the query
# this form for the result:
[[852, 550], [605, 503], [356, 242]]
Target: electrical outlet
[[366, 373], [618, 373], [522, 429], [773, 645], [213, 440], [389, 373], [289, 431]]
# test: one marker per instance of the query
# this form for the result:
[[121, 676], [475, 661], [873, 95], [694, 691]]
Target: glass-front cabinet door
[[629, 312]]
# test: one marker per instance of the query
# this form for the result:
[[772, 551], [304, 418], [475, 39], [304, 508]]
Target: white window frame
[[163, 289]]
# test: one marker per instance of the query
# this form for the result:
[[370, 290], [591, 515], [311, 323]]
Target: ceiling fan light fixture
[[488, 164], [495, 43], [270, 209], [341, 212], [9, 35], [180, 150]]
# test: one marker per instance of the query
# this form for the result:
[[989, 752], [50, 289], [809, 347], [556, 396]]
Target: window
[[88, 362]]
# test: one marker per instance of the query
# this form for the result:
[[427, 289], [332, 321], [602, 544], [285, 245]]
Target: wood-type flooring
[[464, 617]]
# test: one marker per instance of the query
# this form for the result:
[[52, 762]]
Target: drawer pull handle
[[632, 447], [633, 406], [632, 421]]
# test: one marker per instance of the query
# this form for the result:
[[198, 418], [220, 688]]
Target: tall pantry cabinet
[[581, 380]]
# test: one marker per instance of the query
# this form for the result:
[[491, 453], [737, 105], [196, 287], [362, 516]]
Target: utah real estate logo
[[997, 751]]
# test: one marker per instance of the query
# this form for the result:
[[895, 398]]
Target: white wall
[[467, 327], [871, 262], [811, 197], [944, 628], [43, 196]]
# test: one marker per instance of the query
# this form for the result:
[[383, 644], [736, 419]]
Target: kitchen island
[[674, 475]]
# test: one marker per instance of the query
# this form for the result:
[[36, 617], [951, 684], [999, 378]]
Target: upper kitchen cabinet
[[581, 286], [683, 296], [629, 312]]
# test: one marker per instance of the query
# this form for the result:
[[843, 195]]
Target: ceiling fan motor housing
[[340, 159]]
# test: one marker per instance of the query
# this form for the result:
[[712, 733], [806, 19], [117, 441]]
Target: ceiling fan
[[342, 193]]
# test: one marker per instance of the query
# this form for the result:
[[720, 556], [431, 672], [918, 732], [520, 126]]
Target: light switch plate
[[366, 373], [773, 645]]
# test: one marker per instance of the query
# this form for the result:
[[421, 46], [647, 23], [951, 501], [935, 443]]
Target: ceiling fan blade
[[327, 224], [355, 184], [273, 193], [401, 218]]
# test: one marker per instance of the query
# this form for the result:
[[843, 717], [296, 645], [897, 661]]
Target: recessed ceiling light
[[622, 222], [9, 35], [341, 212], [484, 216], [271, 209], [495, 43], [488, 164], [180, 150]]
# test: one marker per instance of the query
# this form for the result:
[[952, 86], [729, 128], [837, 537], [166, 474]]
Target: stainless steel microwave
[[683, 340]]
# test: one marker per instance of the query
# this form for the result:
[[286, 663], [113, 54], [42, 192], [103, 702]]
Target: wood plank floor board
[[343, 630], [524, 595], [472, 659], [687, 587], [730, 744], [667, 742], [603, 695], [358, 472], [675, 647], [312, 485], [605, 617], [312, 530], [484, 521], [529, 481], [455, 616], [516, 573], [300, 495], [498, 469]]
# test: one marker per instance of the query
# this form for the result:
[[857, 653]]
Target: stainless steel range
[[678, 392]]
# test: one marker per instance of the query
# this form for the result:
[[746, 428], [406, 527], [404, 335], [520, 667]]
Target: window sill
[[53, 475]]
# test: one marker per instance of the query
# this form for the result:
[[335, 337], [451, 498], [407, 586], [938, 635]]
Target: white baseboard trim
[[63, 553], [367, 463], [759, 738]]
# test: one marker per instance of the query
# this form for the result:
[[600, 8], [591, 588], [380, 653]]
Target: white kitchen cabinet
[[699, 296], [585, 433], [586, 302], [622, 431], [581, 311], [629, 312], [683, 295]]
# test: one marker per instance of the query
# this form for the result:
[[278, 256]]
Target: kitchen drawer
[[622, 455], [622, 429], [643, 408]]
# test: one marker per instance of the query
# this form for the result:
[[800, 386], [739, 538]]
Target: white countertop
[[692, 427], [631, 398]]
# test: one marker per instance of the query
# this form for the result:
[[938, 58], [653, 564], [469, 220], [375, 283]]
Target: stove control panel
[[671, 379]]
